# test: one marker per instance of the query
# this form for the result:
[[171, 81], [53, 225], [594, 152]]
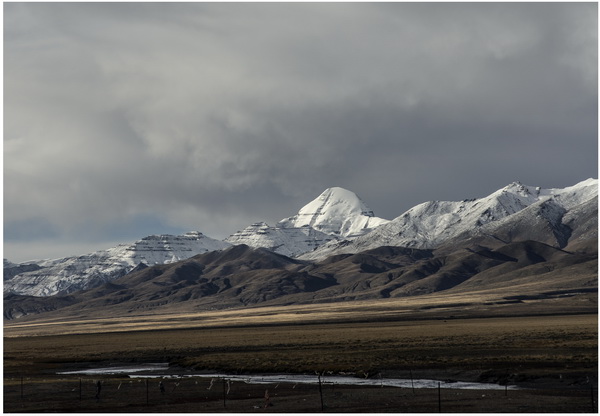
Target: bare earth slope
[[242, 276], [518, 244], [339, 222]]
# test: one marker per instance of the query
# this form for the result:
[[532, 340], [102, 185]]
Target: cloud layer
[[126, 119]]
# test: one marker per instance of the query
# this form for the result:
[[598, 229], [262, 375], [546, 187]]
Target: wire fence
[[211, 395]]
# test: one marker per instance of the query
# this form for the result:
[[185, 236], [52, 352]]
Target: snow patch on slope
[[68, 274], [336, 222], [290, 242]]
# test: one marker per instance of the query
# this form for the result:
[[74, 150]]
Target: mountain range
[[334, 249]]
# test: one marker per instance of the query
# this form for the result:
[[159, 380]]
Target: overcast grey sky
[[128, 119]]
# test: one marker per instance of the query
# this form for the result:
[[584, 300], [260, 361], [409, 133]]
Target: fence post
[[224, 394], [321, 393], [439, 397], [412, 382]]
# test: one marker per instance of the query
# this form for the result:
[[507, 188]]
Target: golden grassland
[[466, 331], [533, 342], [555, 354], [550, 343], [433, 306]]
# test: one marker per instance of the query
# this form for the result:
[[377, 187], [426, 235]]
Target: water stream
[[161, 370]]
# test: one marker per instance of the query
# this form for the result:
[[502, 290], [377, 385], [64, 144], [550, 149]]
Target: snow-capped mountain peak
[[430, 224], [336, 211], [335, 222], [68, 274]]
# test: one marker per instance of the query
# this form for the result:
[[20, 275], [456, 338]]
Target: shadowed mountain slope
[[339, 222], [242, 276], [519, 242]]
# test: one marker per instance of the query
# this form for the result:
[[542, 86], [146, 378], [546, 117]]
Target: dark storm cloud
[[211, 116]]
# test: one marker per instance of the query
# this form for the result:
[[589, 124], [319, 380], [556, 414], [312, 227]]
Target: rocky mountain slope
[[241, 276], [530, 212], [67, 275], [339, 223], [289, 241]]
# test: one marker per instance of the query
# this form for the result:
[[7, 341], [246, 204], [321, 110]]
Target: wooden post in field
[[439, 397], [412, 382], [224, 393], [321, 393]]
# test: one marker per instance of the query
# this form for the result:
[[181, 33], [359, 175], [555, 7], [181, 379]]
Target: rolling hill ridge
[[543, 241]]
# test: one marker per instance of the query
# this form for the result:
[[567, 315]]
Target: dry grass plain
[[425, 307], [527, 343]]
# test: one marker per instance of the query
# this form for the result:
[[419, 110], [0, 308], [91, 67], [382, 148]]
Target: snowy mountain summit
[[339, 222], [431, 224], [337, 211]]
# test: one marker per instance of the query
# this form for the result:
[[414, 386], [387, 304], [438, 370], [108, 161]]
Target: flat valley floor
[[551, 358]]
